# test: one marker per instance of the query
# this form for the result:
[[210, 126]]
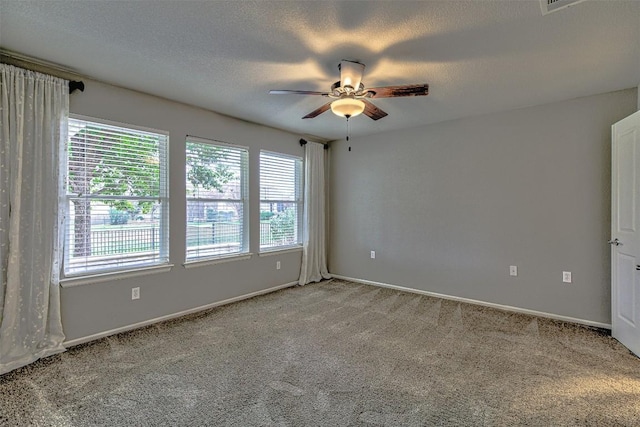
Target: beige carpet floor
[[335, 354]]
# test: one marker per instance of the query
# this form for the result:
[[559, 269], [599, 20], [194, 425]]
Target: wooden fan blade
[[396, 91], [372, 111], [318, 111], [296, 92]]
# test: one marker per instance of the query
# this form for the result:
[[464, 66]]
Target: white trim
[[286, 250], [70, 282], [138, 325], [220, 260], [478, 302]]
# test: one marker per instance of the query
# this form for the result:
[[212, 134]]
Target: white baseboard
[[477, 302], [99, 335]]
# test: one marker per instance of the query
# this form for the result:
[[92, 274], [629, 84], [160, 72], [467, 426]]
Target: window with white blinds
[[217, 199], [117, 198], [280, 201]]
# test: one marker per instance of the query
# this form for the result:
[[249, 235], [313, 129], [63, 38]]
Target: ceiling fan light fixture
[[347, 107]]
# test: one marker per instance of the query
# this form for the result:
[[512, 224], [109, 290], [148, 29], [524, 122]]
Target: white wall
[[95, 308], [448, 207]]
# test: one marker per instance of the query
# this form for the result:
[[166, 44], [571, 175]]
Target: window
[[116, 200], [217, 211], [280, 200]]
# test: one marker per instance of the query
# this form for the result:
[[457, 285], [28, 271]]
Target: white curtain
[[314, 255], [34, 109]]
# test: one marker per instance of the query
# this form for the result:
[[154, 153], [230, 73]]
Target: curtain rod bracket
[[76, 85]]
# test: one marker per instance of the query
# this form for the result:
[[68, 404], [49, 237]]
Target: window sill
[[278, 251], [220, 260], [70, 282]]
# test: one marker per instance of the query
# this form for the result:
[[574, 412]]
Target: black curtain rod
[[303, 142], [39, 66]]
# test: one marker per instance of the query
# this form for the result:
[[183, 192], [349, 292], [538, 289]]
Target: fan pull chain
[[348, 129]]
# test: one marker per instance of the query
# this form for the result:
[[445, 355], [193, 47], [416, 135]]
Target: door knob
[[615, 242]]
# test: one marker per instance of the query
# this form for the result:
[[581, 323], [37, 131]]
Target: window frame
[[299, 202], [244, 252], [159, 263]]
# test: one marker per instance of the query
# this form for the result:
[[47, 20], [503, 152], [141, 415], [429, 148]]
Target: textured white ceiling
[[477, 56]]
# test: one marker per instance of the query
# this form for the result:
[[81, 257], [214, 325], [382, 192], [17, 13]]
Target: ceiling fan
[[350, 97]]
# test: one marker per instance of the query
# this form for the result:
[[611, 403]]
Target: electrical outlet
[[135, 293], [566, 276], [513, 270], [277, 265], [373, 254]]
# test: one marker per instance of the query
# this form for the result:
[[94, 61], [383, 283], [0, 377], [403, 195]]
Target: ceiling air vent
[[549, 6]]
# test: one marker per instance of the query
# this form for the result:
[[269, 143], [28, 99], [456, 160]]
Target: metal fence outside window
[[105, 242]]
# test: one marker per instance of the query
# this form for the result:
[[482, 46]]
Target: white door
[[625, 232]]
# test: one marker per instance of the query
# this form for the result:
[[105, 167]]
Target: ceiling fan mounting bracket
[[338, 91]]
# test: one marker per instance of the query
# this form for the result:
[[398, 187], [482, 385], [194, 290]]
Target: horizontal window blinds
[[280, 200], [217, 213], [116, 202]]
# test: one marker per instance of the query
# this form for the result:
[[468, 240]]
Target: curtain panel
[[34, 110], [314, 250]]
